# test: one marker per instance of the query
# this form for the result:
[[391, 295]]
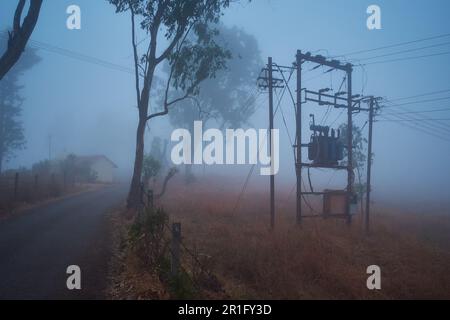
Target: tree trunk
[[134, 195]]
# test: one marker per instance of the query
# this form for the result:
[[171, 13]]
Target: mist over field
[[90, 109], [70, 118]]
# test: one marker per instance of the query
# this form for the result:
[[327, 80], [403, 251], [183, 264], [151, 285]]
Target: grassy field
[[323, 259]]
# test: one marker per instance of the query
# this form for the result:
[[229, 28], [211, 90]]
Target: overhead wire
[[393, 45], [76, 55]]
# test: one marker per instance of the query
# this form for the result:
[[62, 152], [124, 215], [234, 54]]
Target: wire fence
[[26, 187], [183, 259]]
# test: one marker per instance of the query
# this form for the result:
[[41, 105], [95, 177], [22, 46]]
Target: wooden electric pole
[[350, 174], [266, 80], [298, 120], [271, 148], [369, 164]]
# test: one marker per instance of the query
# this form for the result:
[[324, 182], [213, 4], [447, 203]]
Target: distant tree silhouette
[[225, 99], [19, 35], [11, 129]]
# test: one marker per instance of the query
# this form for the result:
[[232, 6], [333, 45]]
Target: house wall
[[104, 171]]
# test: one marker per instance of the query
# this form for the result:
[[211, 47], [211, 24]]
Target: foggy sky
[[89, 109]]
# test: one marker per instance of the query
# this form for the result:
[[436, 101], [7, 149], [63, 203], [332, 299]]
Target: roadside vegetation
[[45, 180], [323, 259]]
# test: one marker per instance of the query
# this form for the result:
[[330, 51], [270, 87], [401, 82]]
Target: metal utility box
[[334, 202]]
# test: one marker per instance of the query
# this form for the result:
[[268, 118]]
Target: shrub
[[147, 238]]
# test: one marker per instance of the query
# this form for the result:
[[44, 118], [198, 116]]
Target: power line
[[327, 114], [405, 51], [409, 120], [286, 127], [75, 55], [418, 112], [423, 130], [407, 58], [440, 126], [416, 102], [393, 45], [435, 127], [421, 95], [250, 173]]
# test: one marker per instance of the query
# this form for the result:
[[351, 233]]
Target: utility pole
[[369, 164], [325, 150], [267, 81], [271, 148], [349, 143], [298, 118]]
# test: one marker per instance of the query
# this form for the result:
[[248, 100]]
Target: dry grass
[[324, 259], [128, 279]]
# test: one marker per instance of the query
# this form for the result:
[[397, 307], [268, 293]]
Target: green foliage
[[196, 62], [359, 156], [359, 145], [146, 236], [147, 239], [192, 59]]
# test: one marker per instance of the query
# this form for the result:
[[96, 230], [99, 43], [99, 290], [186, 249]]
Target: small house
[[101, 167]]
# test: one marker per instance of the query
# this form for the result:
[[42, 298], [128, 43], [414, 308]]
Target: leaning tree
[[19, 35], [186, 29]]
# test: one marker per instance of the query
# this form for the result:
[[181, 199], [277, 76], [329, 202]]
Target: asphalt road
[[38, 245]]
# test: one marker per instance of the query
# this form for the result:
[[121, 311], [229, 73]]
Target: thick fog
[[77, 103]]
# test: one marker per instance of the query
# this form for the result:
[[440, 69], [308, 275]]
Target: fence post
[[16, 186], [176, 242]]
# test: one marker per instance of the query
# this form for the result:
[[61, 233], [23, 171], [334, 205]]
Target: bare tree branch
[[167, 52], [151, 52], [166, 94], [20, 36], [18, 16]]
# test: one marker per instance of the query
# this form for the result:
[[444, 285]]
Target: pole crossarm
[[263, 79], [321, 60]]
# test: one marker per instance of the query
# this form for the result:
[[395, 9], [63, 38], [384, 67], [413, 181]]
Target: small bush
[[147, 238]]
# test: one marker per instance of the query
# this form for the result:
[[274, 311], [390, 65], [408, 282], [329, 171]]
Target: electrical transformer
[[324, 148]]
